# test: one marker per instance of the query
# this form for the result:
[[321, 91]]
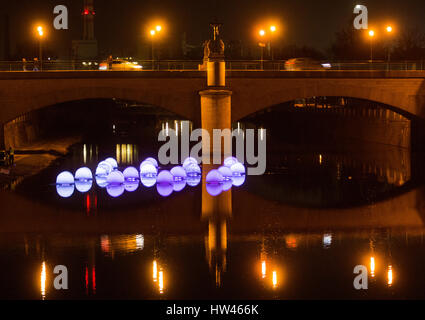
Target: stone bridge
[[178, 91]]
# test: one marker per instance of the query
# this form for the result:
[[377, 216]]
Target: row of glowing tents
[[107, 175]]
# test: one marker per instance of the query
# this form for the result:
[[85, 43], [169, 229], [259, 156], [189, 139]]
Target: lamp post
[[154, 33], [262, 45], [272, 30], [40, 33], [371, 35], [389, 30]]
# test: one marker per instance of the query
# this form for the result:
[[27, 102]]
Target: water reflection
[[390, 275], [126, 153], [284, 258], [43, 280], [213, 240], [372, 267]]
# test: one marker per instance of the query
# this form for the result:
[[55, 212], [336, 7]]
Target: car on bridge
[[120, 65], [300, 64]]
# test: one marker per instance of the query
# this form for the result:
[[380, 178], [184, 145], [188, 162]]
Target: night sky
[[122, 23]]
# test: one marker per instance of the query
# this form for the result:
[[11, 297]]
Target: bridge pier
[[215, 114], [215, 100]]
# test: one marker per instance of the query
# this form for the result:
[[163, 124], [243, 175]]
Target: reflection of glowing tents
[[214, 189], [179, 185], [148, 181], [131, 186], [238, 181], [83, 186], [115, 190], [65, 191], [164, 189], [193, 181], [227, 184], [164, 183]]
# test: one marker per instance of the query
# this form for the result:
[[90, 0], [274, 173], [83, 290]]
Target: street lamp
[[272, 30], [371, 35], [153, 33], [389, 30], [262, 45], [40, 33]]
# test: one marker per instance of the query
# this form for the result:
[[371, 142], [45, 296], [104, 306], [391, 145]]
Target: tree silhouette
[[410, 45]]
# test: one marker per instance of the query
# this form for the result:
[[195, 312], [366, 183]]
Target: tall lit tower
[[86, 48], [88, 20]]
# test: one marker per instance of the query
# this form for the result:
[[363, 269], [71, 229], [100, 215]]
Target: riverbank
[[30, 160]]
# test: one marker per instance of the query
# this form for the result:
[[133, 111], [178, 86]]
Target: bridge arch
[[250, 95], [26, 94]]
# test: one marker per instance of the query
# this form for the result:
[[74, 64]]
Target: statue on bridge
[[213, 48]]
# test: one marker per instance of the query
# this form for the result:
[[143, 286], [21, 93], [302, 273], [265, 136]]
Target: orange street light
[[389, 30], [153, 33], [272, 30], [262, 34], [371, 35], [40, 31], [40, 34]]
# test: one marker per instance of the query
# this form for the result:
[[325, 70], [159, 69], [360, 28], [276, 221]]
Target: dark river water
[[295, 232]]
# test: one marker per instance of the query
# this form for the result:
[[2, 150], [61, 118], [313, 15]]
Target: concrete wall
[[21, 132]]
